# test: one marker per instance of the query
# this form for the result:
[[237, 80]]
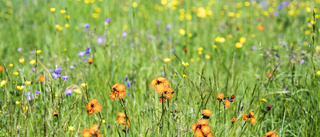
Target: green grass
[[232, 71]]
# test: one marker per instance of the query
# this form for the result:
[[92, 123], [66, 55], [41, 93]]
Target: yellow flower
[[200, 49], [307, 32], [62, 11], [318, 72], [239, 45], [10, 65], [84, 84], [191, 60], [16, 73], [25, 108], [214, 46], [182, 31], [52, 9], [201, 12], [77, 91], [32, 62], [185, 76], [71, 128], [207, 56], [66, 25], [231, 14], [262, 99], [247, 3], [20, 87], [21, 60], [103, 121], [134, 4], [198, 59], [242, 40], [164, 2], [125, 27], [17, 102], [95, 15], [38, 51], [185, 64], [189, 35], [166, 60], [67, 16], [3, 82], [64, 50], [27, 82]]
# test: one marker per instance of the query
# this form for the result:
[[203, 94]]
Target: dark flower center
[[94, 135], [92, 105]]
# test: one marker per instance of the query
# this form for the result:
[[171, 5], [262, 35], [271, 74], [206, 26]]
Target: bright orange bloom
[[205, 129], [113, 95], [93, 107], [169, 95], [251, 114], [160, 89], [220, 96], [121, 120], [270, 75], [198, 133], [227, 103], [206, 113], [210, 135], [121, 114], [162, 100], [253, 121], [160, 81], [122, 94], [90, 60], [203, 122], [92, 132], [260, 27], [1, 68], [233, 120], [42, 78], [194, 127], [119, 87], [270, 134]]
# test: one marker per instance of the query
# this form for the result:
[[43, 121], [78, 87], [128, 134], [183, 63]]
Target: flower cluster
[[57, 73], [202, 128], [118, 90], [161, 85], [271, 134], [227, 100], [123, 120], [92, 132], [249, 117], [86, 52], [93, 107]]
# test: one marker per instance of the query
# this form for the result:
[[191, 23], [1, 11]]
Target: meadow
[[145, 68]]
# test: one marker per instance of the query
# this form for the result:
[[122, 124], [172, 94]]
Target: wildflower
[[17, 102], [113, 95], [242, 40], [233, 120], [210, 135], [27, 83], [77, 91], [16, 73], [55, 113], [10, 65], [21, 60], [134, 4], [25, 108], [90, 60], [194, 126], [20, 87], [203, 122], [271, 134], [30, 96], [269, 107], [220, 96], [262, 99], [206, 113], [270, 75], [166, 60], [83, 84], [68, 92], [207, 57], [168, 95], [71, 128], [38, 52], [162, 99], [122, 94], [227, 103], [160, 81], [251, 114], [65, 77], [93, 107], [92, 132], [182, 31], [1, 68], [42, 78], [86, 25], [37, 92], [184, 76], [239, 45], [185, 64], [108, 20], [2, 83], [318, 72], [198, 133], [260, 27], [205, 129], [52, 9]]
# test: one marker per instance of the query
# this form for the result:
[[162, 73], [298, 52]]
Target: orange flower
[[55, 113], [270, 134], [260, 27], [113, 95], [92, 132], [227, 103], [1, 68], [160, 89], [118, 87], [206, 113], [90, 60], [210, 135], [251, 114], [206, 130], [253, 121], [169, 95], [42, 78], [233, 120], [122, 94], [121, 120], [203, 122], [160, 81], [121, 114], [162, 100], [220, 96], [245, 115], [93, 107], [194, 127], [239, 27], [270, 75], [198, 133]]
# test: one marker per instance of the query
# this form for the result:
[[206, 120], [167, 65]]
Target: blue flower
[[19, 49], [55, 75], [57, 70], [37, 92], [86, 25], [124, 34], [81, 53], [158, 22], [129, 83], [100, 40], [30, 96], [126, 79], [88, 50], [71, 66], [108, 20], [168, 27], [65, 77], [68, 92]]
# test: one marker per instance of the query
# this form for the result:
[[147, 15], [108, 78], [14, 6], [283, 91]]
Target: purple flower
[[108, 20], [292, 57], [100, 40], [75, 63], [126, 79], [55, 75], [263, 3], [220, 28], [276, 13], [163, 74], [50, 70], [33, 69], [19, 49], [33, 52], [30, 96], [172, 49], [37, 92], [129, 83], [71, 66], [124, 34], [168, 27], [65, 77], [57, 70], [68, 92], [158, 22], [0, 100], [81, 53], [86, 25], [132, 44], [88, 50], [85, 59], [253, 47], [285, 88], [302, 61]]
